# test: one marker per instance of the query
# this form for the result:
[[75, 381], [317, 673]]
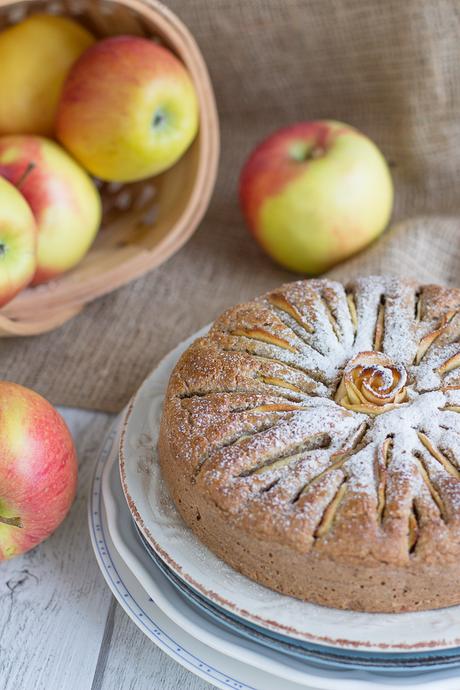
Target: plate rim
[[213, 596], [188, 592], [103, 554]]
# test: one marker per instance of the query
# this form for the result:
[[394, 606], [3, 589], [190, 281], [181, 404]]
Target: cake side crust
[[379, 588]]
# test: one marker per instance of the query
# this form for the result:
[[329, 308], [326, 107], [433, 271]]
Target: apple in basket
[[128, 109], [315, 193], [35, 57], [38, 469], [63, 199], [18, 237]]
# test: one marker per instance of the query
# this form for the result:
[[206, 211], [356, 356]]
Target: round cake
[[312, 441]]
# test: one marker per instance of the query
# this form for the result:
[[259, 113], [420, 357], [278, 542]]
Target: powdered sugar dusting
[[256, 422]]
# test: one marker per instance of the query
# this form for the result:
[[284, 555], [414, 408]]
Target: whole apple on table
[[121, 109], [315, 193], [38, 469]]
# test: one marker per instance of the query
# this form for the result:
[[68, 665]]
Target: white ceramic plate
[[176, 544], [216, 668]]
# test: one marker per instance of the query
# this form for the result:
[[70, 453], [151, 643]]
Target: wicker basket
[[143, 223]]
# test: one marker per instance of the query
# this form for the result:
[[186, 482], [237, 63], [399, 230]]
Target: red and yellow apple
[[38, 469], [63, 199], [128, 109], [35, 57], [315, 193], [18, 240]]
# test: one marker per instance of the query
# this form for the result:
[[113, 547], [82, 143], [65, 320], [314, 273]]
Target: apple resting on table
[[18, 239], [63, 199], [315, 193], [128, 109], [38, 469]]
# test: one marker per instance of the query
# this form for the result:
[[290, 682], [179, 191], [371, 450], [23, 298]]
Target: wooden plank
[[134, 662], [53, 600]]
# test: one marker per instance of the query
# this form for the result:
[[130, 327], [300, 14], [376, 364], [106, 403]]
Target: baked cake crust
[[312, 441]]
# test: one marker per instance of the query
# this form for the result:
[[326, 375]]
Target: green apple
[[128, 109], [315, 193], [18, 239]]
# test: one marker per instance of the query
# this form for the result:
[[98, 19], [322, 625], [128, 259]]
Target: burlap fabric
[[390, 68]]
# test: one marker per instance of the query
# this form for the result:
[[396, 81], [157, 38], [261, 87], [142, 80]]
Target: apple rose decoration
[[372, 384]]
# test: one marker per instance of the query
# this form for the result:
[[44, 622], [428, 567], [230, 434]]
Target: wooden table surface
[[60, 626]]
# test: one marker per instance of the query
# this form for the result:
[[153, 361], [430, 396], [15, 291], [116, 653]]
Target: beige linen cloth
[[390, 68]]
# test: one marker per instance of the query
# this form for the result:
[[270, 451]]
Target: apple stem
[[25, 174], [305, 151], [317, 152], [13, 521]]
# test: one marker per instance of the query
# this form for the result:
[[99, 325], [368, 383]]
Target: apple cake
[[312, 441]]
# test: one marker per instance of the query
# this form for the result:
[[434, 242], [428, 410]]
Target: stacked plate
[[222, 626]]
